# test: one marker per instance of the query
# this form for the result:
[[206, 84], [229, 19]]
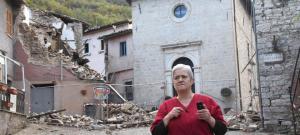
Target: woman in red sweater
[[180, 116]]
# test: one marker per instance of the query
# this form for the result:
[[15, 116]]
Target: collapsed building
[[50, 47], [53, 39]]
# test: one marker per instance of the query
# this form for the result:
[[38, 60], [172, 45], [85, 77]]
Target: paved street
[[34, 129]]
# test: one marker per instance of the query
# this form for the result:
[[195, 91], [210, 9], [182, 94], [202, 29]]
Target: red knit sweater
[[187, 123]]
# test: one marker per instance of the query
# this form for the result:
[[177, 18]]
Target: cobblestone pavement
[[35, 129]]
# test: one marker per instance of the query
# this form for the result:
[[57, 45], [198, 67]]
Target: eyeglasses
[[183, 77]]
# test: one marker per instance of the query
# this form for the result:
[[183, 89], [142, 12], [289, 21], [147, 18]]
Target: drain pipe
[[257, 63]]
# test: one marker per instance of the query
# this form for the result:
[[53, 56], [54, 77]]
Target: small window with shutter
[[9, 22]]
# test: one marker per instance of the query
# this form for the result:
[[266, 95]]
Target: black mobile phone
[[200, 106]]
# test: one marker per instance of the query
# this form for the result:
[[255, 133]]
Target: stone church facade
[[195, 32]]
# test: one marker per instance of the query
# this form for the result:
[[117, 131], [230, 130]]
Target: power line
[[145, 84]]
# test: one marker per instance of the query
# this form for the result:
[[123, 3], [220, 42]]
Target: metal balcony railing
[[12, 85]]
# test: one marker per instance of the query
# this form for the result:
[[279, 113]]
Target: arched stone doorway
[[186, 61]]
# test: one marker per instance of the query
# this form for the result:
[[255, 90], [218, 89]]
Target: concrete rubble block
[[108, 132], [56, 122], [127, 106], [119, 126], [112, 126], [97, 127], [55, 116], [34, 120], [113, 120], [42, 119], [251, 127]]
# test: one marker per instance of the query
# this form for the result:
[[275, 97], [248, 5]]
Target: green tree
[[95, 12]]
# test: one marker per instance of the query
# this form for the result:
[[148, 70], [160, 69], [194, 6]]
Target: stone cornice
[[183, 44]]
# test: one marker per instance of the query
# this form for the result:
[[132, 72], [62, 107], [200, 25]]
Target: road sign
[[101, 92]]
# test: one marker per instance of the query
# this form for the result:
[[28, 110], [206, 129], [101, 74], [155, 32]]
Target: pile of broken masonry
[[129, 115], [245, 121], [120, 116]]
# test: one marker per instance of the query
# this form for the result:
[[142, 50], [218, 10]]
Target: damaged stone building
[[50, 47], [202, 34], [278, 41]]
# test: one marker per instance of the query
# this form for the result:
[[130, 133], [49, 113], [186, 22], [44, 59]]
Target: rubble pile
[[86, 73], [77, 121], [246, 121], [127, 115], [119, 116]]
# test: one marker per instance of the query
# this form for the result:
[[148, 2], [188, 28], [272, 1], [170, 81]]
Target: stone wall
[[11, 123], [278, 41]]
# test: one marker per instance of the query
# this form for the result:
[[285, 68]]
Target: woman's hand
[[174, 113], [205, 115]]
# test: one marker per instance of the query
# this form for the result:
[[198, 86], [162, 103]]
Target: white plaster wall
[[67, 32], [68, 35], [96, 55], [117, 62], [209, 22]]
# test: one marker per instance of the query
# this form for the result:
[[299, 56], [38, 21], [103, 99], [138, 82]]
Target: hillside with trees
[[95, 12]]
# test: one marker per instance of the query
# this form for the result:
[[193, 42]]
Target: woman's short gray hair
[[185, 68]]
